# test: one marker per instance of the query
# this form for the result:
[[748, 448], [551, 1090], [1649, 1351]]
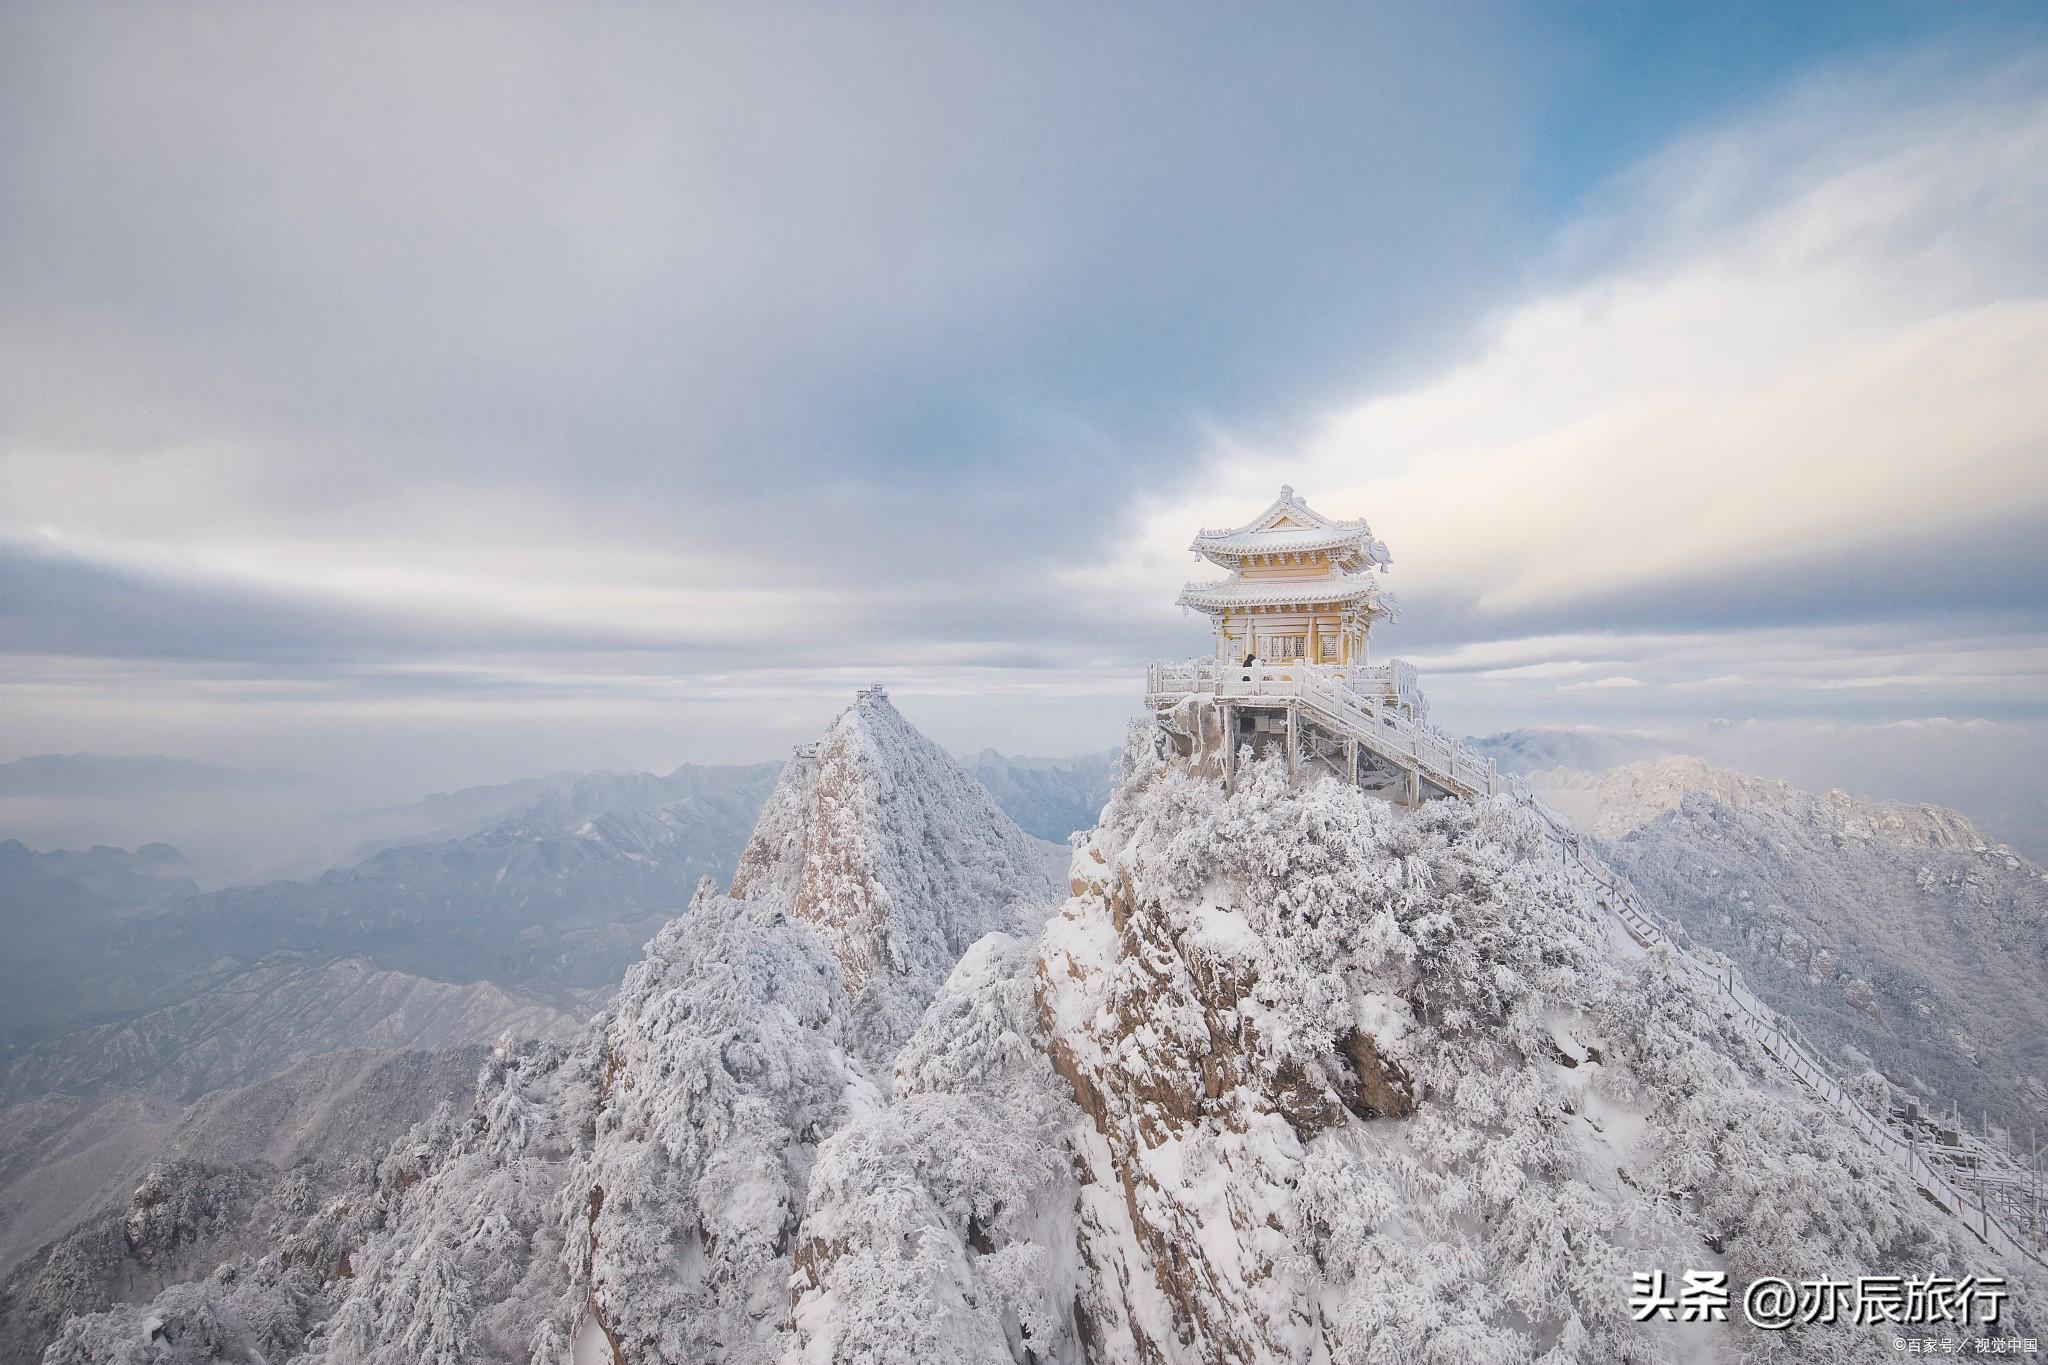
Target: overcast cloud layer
[[448, 393]]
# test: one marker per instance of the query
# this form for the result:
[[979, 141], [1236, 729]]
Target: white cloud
[[1821, 339]]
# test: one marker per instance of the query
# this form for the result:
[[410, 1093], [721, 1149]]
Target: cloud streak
[[368, 371]]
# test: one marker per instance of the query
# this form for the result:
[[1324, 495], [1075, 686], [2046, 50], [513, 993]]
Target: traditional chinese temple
[[1302, 586]]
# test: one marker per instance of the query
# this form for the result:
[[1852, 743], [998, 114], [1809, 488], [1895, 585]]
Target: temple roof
[[1237, 593], [1291, 526]]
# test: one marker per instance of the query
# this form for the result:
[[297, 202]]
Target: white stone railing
[[1396, 680]]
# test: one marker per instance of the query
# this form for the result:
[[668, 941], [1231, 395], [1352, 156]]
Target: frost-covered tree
[[465, 1262], [724, 1066], [942, 1227], [247, 1311]]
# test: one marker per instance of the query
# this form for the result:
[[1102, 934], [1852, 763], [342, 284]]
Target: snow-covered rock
[[724, 1067], [1371, 1085], [900, 860], [944, 1227]]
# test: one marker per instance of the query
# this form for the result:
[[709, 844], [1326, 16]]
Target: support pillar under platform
[[1229, 747]]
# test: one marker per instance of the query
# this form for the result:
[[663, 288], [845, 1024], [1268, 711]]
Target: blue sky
[[443, 393], [1633, 76]]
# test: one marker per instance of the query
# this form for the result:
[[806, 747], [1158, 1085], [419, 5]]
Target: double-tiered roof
[[1300, 583]]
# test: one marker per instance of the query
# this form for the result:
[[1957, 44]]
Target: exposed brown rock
[[1373, 1087], [813, 1261], [1189, 1058], [592, 1209]]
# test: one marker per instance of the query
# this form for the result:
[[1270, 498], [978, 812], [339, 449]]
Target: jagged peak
[[879, 840]]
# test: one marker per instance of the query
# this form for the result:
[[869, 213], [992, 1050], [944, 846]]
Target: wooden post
[[1415, 785], [1351, 759], [1293, 740]]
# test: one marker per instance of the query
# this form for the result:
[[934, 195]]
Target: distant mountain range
[[1049, 797], [553, 897], [1893, 934], [1268, 1072], [59, 909], [547, 885]]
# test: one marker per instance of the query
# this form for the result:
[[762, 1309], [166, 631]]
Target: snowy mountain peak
[[878, 840]]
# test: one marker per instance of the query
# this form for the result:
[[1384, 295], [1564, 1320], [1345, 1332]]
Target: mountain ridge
[[1894, 933], [1291, 1074]]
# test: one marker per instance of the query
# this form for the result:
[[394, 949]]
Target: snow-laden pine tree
[[943, 1227], [724, 1066]]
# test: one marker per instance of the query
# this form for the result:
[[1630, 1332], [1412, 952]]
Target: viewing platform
[[1366, 723]]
